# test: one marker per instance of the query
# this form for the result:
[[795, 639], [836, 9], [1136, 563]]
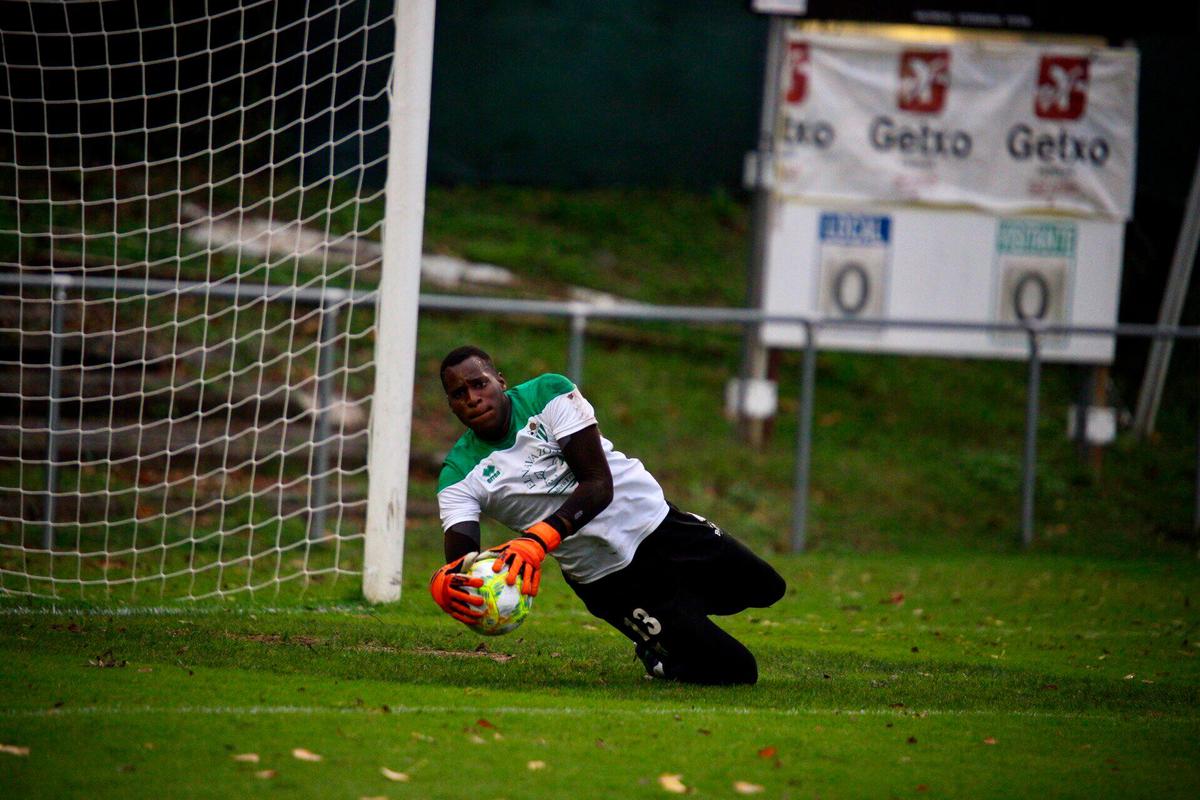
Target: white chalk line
[[174, 611], [569, 711]]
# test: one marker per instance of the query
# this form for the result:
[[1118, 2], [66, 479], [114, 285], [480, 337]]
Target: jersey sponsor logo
[[538, 430], [1062, 87], [924, 81], [490, 473]]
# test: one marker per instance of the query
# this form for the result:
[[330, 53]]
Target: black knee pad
[[771, 590]]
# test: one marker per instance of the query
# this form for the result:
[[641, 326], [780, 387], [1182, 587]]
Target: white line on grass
[[173, 611], [558, 711]]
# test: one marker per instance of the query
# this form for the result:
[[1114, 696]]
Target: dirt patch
[[477, 653], [275, 638]]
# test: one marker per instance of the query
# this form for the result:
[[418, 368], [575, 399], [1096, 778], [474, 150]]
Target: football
[[505, 608]]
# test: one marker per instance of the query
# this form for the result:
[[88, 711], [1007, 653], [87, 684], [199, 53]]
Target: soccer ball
[[504, 608]]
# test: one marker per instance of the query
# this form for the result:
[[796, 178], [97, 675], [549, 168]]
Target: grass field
[[882, 676], [918, 653]]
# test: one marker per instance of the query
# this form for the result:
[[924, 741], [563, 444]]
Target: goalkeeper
[[534, 460]]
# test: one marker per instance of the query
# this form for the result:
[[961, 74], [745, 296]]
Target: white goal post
[[210, 235]]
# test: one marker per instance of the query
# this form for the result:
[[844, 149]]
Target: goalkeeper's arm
[[593, 491], [523, 556]]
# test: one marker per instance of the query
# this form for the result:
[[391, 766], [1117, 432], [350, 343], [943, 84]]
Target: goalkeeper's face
[[475, 392]]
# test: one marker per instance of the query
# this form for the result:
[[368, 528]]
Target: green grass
[[915, 634], [906, 676]]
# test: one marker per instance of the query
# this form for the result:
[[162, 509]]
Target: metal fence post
[[1196, 512], [575, 347], [325, 365], [57, 309], [1029, 469], [808, 379]]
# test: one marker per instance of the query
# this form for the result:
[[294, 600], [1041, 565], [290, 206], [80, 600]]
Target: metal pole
[[575, 347], [1029, 470], [57, 308], [754, 355], [329, 319], [1196, 513], [1150, 394], [808, 379]]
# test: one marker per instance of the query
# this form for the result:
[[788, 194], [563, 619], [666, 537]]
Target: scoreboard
[[948, 179], [926, 264]]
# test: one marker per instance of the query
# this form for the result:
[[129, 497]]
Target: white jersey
[[524, 479]]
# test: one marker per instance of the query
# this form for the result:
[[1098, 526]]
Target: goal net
[[191, 203]]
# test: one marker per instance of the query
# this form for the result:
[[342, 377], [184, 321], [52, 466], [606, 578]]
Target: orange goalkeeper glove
[[523, 556], [448, 587]]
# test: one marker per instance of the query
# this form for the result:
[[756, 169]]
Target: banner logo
[[924, 80], [1062, 87], [797, 72]]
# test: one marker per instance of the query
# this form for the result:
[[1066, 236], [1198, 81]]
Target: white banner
[[998, 126]]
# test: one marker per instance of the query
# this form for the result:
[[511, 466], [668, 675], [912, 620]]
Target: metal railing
[[578, 314]]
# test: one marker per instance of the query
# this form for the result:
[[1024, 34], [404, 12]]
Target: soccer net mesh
[[191, 198]]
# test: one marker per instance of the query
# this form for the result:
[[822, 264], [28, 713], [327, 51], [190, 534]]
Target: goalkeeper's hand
[[523, 556], [448, 587]]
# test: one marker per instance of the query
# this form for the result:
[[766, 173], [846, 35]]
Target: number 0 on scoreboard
[[854, 256], [1035, 260]]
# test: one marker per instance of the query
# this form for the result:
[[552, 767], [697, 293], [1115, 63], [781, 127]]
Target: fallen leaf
[[895, 598], [742, 787], [420, 737], [922, 787], [704, 732], [249, 758], [305, 755], [483, 723], [912, 740], [1130, 676], [392, 775], [990, 740], [476, 739], [14, 750], [374, 797], [831, 418], [536, 765], [672, 784], [265, 774], [767, 752], [106, 660]]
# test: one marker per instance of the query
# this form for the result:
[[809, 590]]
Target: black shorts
[[685, 570]]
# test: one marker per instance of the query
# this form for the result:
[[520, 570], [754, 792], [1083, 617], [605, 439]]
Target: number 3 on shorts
[[653, 627]]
